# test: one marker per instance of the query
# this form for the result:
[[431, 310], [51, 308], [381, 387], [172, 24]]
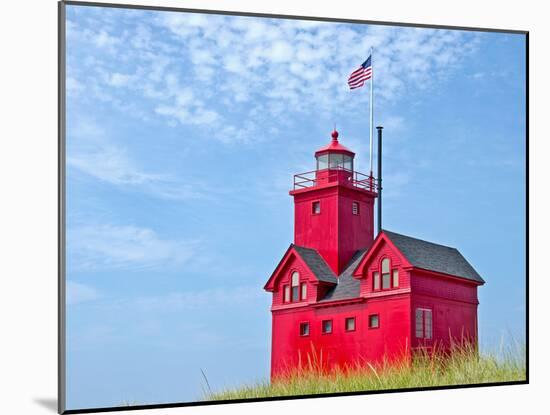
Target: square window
[[350, 324], [395, 281], [316, 208], [304, 329], [327, 326], [355, 208], [374, 321], [304, 291]]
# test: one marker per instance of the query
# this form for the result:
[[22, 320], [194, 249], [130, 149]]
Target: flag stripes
[[360, 75]]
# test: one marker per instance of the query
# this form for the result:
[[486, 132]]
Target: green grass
[[464, 366]]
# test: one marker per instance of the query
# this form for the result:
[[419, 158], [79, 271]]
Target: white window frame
[[395, 278], [330, 324], [346, 323], [377, 321], [426, 323], [295, 285]]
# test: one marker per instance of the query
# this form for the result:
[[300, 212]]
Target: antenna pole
[[379, 128], [371, 109]]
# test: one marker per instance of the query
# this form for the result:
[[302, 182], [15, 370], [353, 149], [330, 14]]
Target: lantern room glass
[[322, 162], [335, 161]]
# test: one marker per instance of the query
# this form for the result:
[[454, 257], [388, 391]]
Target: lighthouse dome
[[334, 155]]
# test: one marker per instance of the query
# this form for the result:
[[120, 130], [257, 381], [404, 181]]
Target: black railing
[[355, 178]]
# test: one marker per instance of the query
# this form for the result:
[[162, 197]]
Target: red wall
[[356, 231], [454, 308], [336, 233], [340, 347]]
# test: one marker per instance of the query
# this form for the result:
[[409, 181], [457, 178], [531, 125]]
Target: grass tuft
[[463, 366]]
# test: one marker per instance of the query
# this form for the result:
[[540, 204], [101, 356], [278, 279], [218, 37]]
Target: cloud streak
[[107, 246], [80, 293], [92, 152]]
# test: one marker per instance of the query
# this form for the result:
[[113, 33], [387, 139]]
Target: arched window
[[386, 280], [295, 285], [296, 290], [387, 277]]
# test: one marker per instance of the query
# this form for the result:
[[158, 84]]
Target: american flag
[[360, 75]]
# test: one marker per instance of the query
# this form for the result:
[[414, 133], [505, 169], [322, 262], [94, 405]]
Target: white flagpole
[[371, 108]]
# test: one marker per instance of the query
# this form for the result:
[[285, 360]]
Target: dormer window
[[376, 281], [295, 290], [286, 295], [295, 286], [387, 278], [386, 282]]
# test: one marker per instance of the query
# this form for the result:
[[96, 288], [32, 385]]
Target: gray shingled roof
[[348, 286], [434, 257], [316, 264]]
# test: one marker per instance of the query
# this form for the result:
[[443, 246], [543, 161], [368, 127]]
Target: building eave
[[338, 302], [439, 274]]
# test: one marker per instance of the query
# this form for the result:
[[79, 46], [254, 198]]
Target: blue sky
[[183, 132]]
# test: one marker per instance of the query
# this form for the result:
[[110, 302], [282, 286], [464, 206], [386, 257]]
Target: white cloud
[[73, 86], [103, 39], [108, 246], [80, 293], [280, 51], [185, 115], [118, 79], [222, 62], [91, 152], [110, 164], [394, 183], [200, 299]]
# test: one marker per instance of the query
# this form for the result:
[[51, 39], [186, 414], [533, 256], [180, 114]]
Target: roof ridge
[[418, 239]]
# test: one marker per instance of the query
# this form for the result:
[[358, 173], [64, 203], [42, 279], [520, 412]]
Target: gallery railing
[[318, 177]]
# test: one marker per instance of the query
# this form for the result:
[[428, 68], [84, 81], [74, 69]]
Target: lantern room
[[335, 156], [334, 164]]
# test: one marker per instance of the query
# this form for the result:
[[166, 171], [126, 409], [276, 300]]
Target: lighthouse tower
[[334, 206]]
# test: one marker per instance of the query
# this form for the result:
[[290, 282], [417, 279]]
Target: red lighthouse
[[340, 293]]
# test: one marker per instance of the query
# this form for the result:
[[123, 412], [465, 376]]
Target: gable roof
[[433, 257], [348, 286], [316, 264], [312, 260]]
